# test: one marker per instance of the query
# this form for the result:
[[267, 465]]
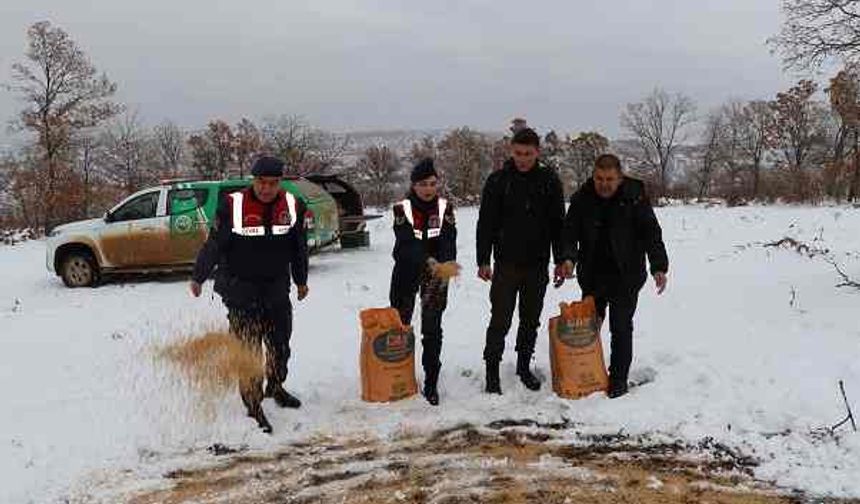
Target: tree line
[[85, 150]]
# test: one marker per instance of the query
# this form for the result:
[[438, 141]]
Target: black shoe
[[431, 378], [262, 422], [282, 398], [493, 385], [431, 394], [529, 380], [616, 388]]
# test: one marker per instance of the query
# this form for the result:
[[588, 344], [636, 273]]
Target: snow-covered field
[[748, 344]]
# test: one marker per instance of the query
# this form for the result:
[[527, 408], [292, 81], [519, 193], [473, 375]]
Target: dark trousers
[[528, 283], [621, 300], [405, 284], [271, 327]]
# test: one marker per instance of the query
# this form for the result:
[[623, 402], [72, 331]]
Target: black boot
[[282, 398], [262, 422], [529, 380], [617, 387], [493, 385], [431, 377]]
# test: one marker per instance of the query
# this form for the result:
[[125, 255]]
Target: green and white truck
[[161, 228]]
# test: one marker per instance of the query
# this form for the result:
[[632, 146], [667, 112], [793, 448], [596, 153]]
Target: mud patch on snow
[[515, 461]]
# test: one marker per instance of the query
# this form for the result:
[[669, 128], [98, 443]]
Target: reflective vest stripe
[[433, 232], [407, 210], [239, 214], [291, 207]]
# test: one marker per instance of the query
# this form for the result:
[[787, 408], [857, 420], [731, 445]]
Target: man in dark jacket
[[257, 242], [425, 237], [609, 230], [520, 220]]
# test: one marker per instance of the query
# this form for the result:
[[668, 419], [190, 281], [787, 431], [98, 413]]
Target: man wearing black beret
[[257, 243]]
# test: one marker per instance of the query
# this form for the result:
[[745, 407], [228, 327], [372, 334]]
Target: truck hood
[[83, 225]]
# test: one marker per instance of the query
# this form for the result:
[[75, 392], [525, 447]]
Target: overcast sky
[[374, 64]]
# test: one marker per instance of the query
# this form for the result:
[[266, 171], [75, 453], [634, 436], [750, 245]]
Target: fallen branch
[[850, 417], [846, 280], [798, 246]]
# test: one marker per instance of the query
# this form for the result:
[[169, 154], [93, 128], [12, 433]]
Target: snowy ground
[[748, 344]]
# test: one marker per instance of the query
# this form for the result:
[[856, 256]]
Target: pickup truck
[[161, 228]]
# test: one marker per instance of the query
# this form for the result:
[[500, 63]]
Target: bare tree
[[169, 143], [213, 150], [658, 124], [552, 151], [579, 155], [464, 160], [844, 94], [204, 158], [127, 153], [800, 133], [26, 208], [64, 94], [378, 172], [7, 167], [815, 31], [756, 127], [223, 140], [248, 144], [731, 146], [423, 149], [710, 152], [325, 152], [87, 154], [500, 152], [289, 138]]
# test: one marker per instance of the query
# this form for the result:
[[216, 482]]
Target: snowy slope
[[748, 344]]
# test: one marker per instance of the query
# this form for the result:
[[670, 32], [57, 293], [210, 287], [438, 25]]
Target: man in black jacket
[[425, 237], [520, 220], [609, 230], [257, 242]]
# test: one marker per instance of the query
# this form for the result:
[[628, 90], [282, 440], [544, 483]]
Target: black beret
[[424, 169], [268, 166]]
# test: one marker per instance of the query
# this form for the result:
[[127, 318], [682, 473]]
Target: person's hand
[[562, 272], [660, 280], [485, 272], [195, 288], [558, 276], [568, 268], [303, 291]]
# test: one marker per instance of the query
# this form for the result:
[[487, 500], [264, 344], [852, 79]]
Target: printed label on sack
[[578, 333], [394, 345]]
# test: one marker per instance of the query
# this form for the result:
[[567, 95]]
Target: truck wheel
[[79, 270]]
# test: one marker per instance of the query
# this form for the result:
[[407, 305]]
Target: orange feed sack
[[387, 356], [575, 351]]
